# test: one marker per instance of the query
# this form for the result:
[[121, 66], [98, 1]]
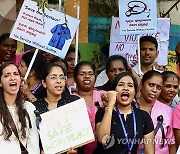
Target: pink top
[[164, 110], [71, 86], [176, 117], [89, 148], [17, 58]]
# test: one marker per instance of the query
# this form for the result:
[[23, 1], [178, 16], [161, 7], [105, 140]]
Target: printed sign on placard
[[50, 31], [137, 16], [126, 45], [65, 127]]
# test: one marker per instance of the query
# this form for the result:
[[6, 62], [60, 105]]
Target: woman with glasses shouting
[[54, 78], [84, 76]]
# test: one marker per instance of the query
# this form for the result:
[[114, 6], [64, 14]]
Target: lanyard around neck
[[129, 142]]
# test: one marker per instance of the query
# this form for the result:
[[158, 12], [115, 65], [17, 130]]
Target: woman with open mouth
[[18, 131], [8, 48], [120, 126]]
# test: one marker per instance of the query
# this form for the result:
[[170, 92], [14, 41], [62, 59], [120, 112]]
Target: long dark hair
[[7, 132]]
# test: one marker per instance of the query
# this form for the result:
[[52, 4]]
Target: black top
[[40, 92], [144, 125], [42, 106], [106, 86]]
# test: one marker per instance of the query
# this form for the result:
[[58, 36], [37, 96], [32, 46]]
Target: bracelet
[[108, 108], [33, 99]]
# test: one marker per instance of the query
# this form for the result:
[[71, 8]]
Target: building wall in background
[[174, 15], [164, 6], [7, 15]]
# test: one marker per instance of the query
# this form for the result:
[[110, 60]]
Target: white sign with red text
[[48, 31], [126, 45], [137, 16]]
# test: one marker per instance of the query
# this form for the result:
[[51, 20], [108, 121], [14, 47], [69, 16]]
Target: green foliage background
[[103, 8], [53, 1]]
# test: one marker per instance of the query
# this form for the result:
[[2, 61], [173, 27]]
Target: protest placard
[[172, 61], [137, 16], [126, 45], [51, 31], [65, 127]]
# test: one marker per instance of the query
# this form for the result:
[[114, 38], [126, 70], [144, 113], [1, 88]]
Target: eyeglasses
[[86, 74], [56, 77]]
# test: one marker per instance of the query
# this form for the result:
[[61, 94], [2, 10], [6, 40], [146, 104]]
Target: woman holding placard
[[121, 126], [32, 88], [18, 132], [53, 79]]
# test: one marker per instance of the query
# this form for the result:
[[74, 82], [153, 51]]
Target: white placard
[[127, 50], [65, 127], [127, 44], [162, 34], [48, 32], [137, 16]]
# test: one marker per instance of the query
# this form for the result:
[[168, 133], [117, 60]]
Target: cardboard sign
[[65, 127], [126, 45], [49, 32], [172, 61], [137, 16]]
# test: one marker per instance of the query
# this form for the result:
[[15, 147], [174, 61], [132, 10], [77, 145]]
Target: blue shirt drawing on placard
[[60, 35]]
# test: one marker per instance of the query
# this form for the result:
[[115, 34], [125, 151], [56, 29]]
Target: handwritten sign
[[126, 45], [137, 16], [65, 127], [172, 59], [49, 32]]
